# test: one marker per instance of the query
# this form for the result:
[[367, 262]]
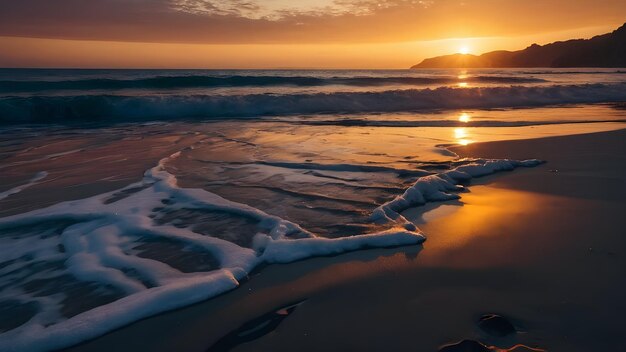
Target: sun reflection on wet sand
[[482, 205], [461, 136]]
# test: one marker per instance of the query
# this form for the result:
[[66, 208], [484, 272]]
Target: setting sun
[[464, 50]]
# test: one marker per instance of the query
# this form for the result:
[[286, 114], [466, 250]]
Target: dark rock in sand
[[254, 329], [465, 346], [496, 325]]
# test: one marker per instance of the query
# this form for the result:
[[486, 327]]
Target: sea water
[[126, 193]]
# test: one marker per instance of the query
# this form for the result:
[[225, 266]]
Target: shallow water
[[126, 220]]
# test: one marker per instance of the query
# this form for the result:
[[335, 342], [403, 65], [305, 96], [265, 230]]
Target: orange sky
[[282, 33]]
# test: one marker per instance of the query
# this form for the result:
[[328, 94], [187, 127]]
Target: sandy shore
[[543, 247]]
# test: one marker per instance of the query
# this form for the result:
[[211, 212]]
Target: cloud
[[296, 21], [241, 8], [276, 10]]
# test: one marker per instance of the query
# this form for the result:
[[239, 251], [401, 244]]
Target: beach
[[540, 246], [330, 175], [215, 209]]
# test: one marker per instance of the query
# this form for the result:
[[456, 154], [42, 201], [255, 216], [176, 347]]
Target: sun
[[464, 50]]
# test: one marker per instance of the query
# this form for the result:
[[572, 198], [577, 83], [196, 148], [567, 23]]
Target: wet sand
[[79, 163], [543, 247]]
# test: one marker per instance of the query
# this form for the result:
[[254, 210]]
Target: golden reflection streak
[[463, 85], [461, 136], [483, 205], [460, 133], [465, 117]]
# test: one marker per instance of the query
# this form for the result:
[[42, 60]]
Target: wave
[[115, 108], [443, 186], [555, 72], [103, 244], [444, 123], [116, 254], [173, 82]]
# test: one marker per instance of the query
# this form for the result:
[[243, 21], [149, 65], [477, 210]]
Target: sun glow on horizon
[[233, 53]]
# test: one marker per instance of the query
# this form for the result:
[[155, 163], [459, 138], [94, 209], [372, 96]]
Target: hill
[[607, 50]]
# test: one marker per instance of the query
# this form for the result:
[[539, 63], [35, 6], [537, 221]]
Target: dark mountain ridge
[[606, 50]]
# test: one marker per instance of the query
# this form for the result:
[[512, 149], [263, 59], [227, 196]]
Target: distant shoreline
[[602, 51]]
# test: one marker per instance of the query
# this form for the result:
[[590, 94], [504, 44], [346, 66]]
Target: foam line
[[96, 238], [97, 245], [38, 177], [443, 186]]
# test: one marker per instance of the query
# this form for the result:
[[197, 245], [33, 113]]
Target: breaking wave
[[579, 72], [196, 81], [115, 108]]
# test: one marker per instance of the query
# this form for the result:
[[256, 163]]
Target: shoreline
[[74, 160], [395, 298]]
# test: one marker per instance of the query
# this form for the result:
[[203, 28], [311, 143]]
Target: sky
[[284, 33]]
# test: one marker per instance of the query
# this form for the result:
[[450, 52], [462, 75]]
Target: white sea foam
[[98, 244], [443, 186], [38, 177], [98, 240]]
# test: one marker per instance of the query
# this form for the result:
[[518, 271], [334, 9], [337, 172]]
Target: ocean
[[127, 193], [107, 96]]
